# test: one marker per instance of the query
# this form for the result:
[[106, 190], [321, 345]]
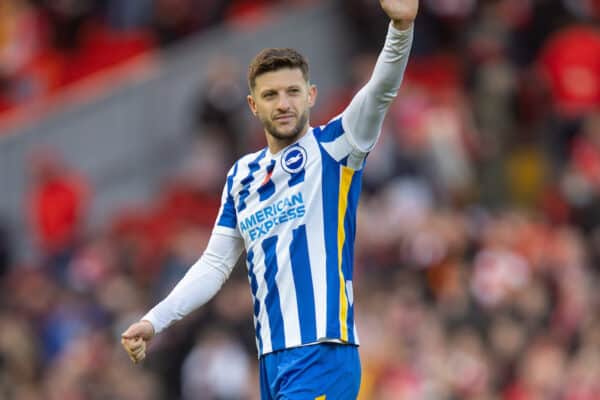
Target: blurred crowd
[[47, 46], [478, 243], [478, 236]]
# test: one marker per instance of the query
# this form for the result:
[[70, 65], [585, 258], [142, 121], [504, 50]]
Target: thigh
[[325, 371]]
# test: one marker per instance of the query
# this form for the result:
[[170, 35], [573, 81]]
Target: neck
[[276, 144]]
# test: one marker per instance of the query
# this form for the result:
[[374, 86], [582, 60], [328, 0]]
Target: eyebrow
[[274, 91], [267, 92]]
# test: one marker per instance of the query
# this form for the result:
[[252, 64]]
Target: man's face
[[281, 100]]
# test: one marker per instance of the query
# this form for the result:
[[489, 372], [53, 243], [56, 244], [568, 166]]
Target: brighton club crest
[[293, 159]]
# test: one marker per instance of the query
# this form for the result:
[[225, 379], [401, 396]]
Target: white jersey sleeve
[[363, 118], [202, 281], [205, 277]]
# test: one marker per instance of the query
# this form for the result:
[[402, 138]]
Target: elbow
[[216, 265]]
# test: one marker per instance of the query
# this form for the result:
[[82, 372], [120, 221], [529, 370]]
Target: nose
[[283, 104]]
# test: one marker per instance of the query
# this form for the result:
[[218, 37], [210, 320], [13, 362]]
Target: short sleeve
[[339, 144], [227, 223]]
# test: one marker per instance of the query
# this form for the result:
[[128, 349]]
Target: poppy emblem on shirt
[[293, 159]]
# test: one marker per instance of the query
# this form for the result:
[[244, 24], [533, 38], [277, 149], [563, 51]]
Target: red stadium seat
[[104, 48]]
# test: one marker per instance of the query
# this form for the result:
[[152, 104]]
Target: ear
[[312, 95], [252, 104]]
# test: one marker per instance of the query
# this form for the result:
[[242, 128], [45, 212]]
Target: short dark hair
[[273, 59]]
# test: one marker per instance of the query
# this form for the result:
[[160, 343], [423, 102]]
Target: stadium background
[[478, 249]]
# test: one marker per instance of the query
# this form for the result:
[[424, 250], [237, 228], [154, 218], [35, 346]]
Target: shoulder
[[339, 144], [329, 131], [246, 160]]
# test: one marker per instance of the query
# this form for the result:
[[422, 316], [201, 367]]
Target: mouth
[[284, 118]]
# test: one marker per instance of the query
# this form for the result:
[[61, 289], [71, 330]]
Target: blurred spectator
[[18, 352], [497, 276], [183, 250], [586, 151], [67, 19], [366, 23], [175, 19], [225, 368], [541, 375], [494, 76], [75, 316], [131, 14], [21, 37], [81, 371], [584, 8], [92, 264], [203, 169], [527, 171], [220, 109], [5, 250], [451, 8], [570, 61], [581, 181], [58, 204]]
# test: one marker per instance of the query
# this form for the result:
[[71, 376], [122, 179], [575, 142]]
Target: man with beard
[[292, 207]]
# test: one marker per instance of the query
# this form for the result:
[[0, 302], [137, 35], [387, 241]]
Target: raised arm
[[363, 118]]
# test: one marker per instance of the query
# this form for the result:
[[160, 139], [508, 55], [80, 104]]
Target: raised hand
[[401, 12]]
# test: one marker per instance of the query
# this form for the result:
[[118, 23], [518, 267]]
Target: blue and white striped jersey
[[296, 212]]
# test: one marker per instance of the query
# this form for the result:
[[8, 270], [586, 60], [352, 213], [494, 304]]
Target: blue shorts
[[321, 371]]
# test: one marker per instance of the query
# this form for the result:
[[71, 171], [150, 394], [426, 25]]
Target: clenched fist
[[135, 339]]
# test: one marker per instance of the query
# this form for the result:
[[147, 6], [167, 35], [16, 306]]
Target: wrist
[[402, 24], [152, 331]]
